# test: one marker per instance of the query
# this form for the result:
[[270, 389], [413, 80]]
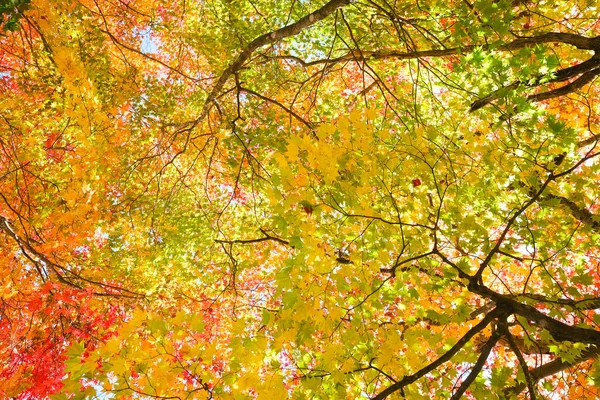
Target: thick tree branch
[[567, 73], [583, 304], [263, 40], [528, 348], [407, 380], [581, 42], [496, 94], [483, 356], [577, 84], [559, 330], [588, 141], [528, 378], [587, 69], [580, 213], [483, 309], [551, 368], [509, 225]]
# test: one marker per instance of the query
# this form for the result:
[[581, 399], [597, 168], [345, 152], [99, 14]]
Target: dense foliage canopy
[[299, 199]]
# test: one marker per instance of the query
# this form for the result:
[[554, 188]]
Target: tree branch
[[407, 380], [257, 240], [559, 330], [38, 259], [528, 378], [483, 356], [580, 213], [577, 84], [583, 304], [587, 69], [581, 42], [280, 105], [551, 368], [263, 40]]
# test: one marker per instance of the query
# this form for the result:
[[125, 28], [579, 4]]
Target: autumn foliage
[[299, 199]]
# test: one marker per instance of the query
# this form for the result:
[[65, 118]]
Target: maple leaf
[[290, 200]]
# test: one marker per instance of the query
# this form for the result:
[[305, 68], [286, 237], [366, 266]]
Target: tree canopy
[[299, 199]]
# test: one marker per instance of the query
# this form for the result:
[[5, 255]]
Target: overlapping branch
[[551, 368], [408, 379], [47, 268], [580, 42], [586, 73], [264, 40]]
